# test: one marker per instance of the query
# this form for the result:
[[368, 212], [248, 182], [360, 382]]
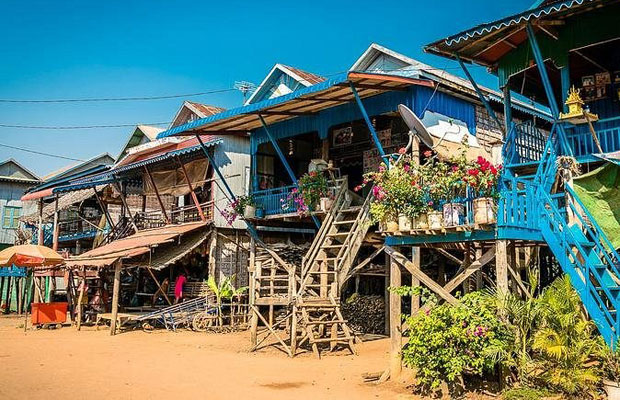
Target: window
[[10, 217]]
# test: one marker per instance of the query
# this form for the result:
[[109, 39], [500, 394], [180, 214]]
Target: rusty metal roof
[[132, 246]]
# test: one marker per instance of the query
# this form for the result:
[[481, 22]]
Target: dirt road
[[91, 364]]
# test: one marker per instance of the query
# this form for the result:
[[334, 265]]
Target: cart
[[49, 315]]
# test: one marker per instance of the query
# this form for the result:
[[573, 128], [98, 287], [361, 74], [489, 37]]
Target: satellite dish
[[415, 125]]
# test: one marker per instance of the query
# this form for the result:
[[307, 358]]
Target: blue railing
[[272, 200], [524, 145], [583, 144]]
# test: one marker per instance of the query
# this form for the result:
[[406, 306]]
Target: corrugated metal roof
[[499, 30], [182, 148], [304, 101], [132, 246], [516, 19], [166, 255]]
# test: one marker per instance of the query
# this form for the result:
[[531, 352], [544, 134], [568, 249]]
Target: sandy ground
[[54, 364]]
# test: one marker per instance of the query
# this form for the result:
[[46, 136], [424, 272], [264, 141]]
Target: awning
[[306, 101], [164, 256], [132, 246], [37, 195], [487, 43], [64, 201]]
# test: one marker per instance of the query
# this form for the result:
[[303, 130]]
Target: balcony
[[178, 215]]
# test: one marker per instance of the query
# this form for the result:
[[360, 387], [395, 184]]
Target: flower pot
[[420, 222], [453, 214], [391, 226], [249, 212], [612, 389], [404, 223], [260, 213], [435, 220], [484, 210], [326, 204]]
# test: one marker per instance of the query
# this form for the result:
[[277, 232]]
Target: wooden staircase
[[317, 318]]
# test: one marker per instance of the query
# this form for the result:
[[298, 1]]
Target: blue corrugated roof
[[252, 108], [516, 19]]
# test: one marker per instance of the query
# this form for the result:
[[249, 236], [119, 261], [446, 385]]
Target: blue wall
[[416, 98]]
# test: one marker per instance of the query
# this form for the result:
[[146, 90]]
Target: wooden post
[[415, 260], [126, 206], [104, 209], [115, 295], [40, 242], [56, 227], [387, 294], [501, 266], [191, 190], [159, 200], [212, 251], [252, 299], [478, 274], [395, 324], [80, 308]]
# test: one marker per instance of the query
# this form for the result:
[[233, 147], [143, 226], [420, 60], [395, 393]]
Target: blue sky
[[78, 49]]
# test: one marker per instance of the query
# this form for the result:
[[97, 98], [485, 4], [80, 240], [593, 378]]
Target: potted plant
[[453, 208], [313, 192], [482, 177]]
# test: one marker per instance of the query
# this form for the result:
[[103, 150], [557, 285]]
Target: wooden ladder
[[321, 322]]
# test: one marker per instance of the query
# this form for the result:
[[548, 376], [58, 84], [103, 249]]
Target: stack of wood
[[365, 314], [290, 252]]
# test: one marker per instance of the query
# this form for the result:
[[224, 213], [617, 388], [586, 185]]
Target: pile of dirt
[[365, 314]]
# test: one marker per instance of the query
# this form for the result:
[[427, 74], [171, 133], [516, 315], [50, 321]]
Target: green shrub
[[449, 341], [524, 393]]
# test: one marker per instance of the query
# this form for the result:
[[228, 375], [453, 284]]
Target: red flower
[[357, 188], [428, 153], [473, 172], [455, 168], [402, 150]]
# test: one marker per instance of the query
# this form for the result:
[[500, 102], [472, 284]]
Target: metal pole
[[290, 172], [553, 105], [480, 95], [371, 128]]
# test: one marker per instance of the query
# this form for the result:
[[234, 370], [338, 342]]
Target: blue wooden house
[[347, 123], [542, 53]]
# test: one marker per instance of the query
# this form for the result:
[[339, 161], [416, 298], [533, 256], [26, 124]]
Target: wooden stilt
[[115, 295], [415, 260], [126, 206], [191, 190], [395, 311], [501, 266], [80, 307], [159, 200], [162, 290], [56, 227]]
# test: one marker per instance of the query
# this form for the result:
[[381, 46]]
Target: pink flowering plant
[[397, 190], [449, 341], [236, 208], [312, 187], [411, 189]]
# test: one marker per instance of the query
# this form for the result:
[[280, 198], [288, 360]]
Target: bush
[[449, 341], [524, 393]]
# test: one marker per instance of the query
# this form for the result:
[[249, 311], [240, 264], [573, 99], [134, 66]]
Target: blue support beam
[[251, 229], [288, 168], [484, 100], [553, 104], [371, 128]]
